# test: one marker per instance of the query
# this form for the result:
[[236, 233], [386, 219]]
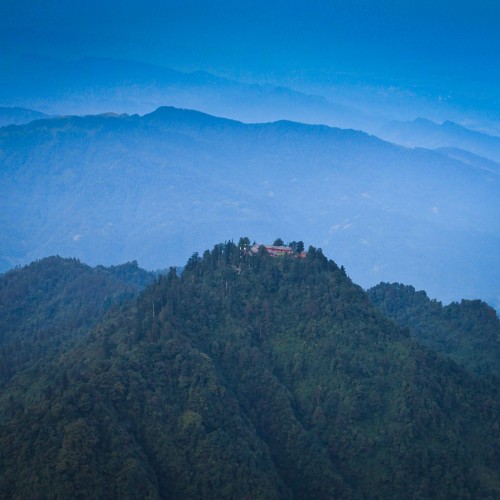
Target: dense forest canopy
[[248, 376], [50, 304], [467, 331]]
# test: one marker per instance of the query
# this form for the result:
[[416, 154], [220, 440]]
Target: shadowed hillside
[[250, 376], [468, 332], [49, 305]]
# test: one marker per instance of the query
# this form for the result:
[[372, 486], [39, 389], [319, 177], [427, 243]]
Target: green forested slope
[[250, 377], [54, 301], [468, 332]]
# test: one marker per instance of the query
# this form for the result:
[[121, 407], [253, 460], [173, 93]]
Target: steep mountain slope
[[470, 158], [468, 332], [49, 305], [110, 189], [250, 376]]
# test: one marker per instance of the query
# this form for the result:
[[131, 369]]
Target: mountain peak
[[186, 115]]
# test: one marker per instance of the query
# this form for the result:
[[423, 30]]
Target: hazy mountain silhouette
[[96, 85], [470, 158], [428, 134], [18, 116], [114, 188]]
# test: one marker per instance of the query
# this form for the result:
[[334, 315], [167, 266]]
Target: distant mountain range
[[18, 116], [93, 85], [428, 134], [114, 188], [98, 85]]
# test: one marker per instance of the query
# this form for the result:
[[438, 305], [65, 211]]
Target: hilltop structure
[[278, 250]]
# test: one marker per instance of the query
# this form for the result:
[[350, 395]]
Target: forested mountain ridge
[[249, 376], [51, 303], [113, 188], [468, 332]]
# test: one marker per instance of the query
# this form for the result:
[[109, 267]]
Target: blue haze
[[423, 74], [433, 45]]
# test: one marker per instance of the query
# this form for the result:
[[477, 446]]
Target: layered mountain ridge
[[18, 116], [93, 85], [112, 188], [428, 134]]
